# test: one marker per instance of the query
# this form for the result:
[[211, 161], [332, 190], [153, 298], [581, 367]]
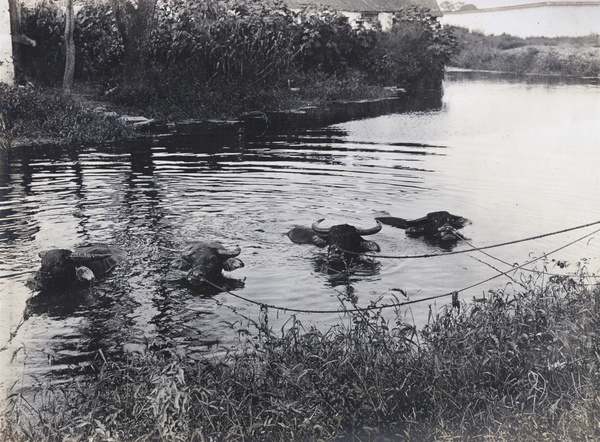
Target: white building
[[356, 10], [531, 19]]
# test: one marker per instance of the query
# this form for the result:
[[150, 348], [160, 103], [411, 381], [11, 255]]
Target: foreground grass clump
[[520, 364], [567, 56]]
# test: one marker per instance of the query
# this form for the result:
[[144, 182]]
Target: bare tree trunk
[[134, 22], [15, 24], [70, 48]]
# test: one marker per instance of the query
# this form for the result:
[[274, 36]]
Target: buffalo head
[[62, 266], [204, 261], [347, 239], [438, 227]]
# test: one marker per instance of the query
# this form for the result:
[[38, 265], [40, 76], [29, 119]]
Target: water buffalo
[[62, 266], [435, 226], [341, 238], [204, 261]]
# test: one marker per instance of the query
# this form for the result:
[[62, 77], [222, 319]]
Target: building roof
[[366, 5]]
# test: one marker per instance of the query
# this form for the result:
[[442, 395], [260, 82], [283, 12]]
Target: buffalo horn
[[86, 257], [230, 253], [371, 231], [320, 230]]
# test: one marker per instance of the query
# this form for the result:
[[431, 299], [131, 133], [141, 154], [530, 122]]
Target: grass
[[43, 115], [566, 56], [520, 363]]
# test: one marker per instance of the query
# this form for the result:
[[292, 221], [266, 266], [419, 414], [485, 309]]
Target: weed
[[519, 362]]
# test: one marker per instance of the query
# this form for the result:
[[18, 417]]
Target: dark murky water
[[518, 158]]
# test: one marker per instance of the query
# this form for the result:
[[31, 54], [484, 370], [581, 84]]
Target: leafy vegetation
[[414, 53], [174, 59], [48, 116], [99, 50], [576, 56], [520, 363]]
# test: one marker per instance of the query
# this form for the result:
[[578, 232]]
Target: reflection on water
[[516, 158]]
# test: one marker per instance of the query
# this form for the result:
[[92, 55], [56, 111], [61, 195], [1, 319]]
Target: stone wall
[[535, 20]]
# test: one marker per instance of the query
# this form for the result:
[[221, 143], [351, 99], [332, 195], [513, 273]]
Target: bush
[[223, 57], [414, 53], [259, 42], [324, 41], [98, 44], [99, 51], [43, 63]]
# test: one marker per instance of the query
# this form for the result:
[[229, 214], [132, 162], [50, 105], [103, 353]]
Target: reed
[[518, 363]]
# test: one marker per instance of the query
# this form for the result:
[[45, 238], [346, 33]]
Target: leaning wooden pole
[[70, 48]]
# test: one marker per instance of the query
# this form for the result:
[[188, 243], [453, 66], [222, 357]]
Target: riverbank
[[91, 114], [519, 364], [95, 113], [564, 56]]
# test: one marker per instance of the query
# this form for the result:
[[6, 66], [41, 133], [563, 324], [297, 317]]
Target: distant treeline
[[576, 56]]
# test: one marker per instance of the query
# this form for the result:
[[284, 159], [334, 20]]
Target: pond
[[517, 157]]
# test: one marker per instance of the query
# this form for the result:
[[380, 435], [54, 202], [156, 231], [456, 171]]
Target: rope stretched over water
[[456, 252], [404, 303]]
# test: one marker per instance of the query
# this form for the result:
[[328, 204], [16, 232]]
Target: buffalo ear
[[176, 275], [232, 263], [318, 241], [84, 274], [43, 253], [188, 251], [369, 246]]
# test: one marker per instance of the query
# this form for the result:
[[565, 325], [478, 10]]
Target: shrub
[[43, 63], [98, 44], [99, 50], [325, 41], [414, 53]]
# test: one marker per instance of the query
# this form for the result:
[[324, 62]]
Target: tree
[[135, 20], [69, 48]]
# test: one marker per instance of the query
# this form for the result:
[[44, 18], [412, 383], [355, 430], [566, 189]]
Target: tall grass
[[519, 363]]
